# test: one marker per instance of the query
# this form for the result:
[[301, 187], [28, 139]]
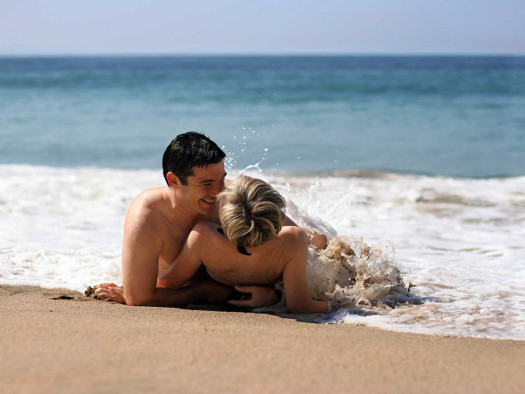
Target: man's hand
[[319, 241], [110, 291], [254, 297]]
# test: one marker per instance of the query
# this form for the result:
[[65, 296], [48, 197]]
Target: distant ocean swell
[[453, 116]]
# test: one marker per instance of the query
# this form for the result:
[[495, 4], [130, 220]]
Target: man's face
[[202, 187]]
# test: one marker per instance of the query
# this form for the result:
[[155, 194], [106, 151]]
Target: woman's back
[[232, 265]]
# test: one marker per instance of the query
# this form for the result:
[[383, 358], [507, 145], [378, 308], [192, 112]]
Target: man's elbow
[[135, 303], [139, 300]]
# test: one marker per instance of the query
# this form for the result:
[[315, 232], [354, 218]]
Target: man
[[158, 222]]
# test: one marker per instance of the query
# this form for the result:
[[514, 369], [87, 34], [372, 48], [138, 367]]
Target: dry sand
[[83, 345]]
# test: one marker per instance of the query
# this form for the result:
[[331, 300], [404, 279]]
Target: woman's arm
[[294, 276], [185, 264]]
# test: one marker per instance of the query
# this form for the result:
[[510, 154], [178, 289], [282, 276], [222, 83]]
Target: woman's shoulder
[[291, 231], [207, 228]]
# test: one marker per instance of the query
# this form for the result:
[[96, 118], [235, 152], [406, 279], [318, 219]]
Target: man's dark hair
[[190, 150]]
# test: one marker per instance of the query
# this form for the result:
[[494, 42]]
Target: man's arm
[[139, 274], [141, 249], [140, 254], [294, 276]]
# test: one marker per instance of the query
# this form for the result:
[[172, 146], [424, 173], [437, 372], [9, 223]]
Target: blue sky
[[262, 26]]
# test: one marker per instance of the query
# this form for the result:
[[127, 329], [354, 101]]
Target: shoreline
[[358, 173], [57, 340]]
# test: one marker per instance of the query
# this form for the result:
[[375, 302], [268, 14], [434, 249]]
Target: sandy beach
[[55, 340]]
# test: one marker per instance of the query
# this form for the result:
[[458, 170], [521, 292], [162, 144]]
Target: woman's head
[[251, 211]]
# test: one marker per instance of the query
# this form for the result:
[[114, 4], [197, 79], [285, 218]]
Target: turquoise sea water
[[452, 116]]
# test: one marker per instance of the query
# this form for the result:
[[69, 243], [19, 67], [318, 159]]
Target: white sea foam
[[460, 242]]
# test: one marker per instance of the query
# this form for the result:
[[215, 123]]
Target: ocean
[[424, 154]]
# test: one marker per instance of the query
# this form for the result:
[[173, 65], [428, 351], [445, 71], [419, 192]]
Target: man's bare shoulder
[[148, 198], [148, 202], [147, 210]]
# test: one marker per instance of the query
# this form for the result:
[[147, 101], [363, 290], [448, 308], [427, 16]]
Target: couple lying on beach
[[250, 246], [172, 232], [177, 251]]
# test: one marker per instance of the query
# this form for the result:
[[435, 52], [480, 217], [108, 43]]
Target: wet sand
[[60, 341]]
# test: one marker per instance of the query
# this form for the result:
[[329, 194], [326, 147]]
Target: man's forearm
[[164, 296], [199, 293], [194, 294]]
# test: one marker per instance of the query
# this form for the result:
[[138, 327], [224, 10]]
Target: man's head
[[187, 151], [251, 211]]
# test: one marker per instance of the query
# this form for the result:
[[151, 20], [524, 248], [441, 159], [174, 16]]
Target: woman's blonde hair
[[251, 211]]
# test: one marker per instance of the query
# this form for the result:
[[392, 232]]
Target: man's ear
[[173, 180]]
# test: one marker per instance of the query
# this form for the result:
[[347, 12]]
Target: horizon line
[[261, 54]]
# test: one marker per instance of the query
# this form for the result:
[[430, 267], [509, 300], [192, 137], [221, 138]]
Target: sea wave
[[457, 242]]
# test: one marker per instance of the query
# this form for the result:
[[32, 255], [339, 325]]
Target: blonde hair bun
[[251, 211]]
